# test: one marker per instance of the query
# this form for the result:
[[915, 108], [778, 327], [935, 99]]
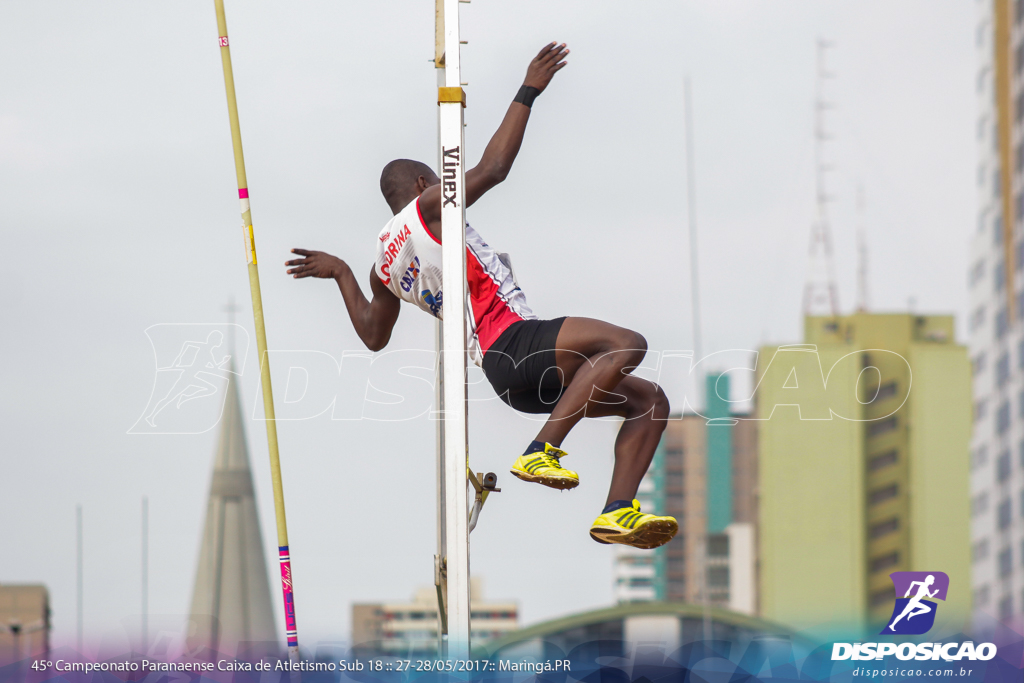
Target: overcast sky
[[118, 211]]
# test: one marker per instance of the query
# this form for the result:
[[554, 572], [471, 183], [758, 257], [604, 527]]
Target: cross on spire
[[231, 308]]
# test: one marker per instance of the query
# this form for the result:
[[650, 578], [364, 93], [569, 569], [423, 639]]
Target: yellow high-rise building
[[863, 456]]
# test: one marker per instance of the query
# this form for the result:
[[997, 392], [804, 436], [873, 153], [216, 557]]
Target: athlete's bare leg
[[594, 358], [645, 411]]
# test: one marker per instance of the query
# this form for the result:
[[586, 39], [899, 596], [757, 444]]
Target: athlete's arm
[[503, 148], [373, 320], [501, 151]]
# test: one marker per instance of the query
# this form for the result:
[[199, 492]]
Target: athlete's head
[[402, 180], [930, 580]]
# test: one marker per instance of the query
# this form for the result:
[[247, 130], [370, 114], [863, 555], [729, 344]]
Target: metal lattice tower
[[820, 293], [863, 294]]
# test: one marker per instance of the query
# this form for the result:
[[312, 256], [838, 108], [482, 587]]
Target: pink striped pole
[[284, 556]]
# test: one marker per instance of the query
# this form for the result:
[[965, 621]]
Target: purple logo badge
[[915, 608]]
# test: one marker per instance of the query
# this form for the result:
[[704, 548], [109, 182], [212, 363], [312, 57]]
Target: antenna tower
[[863, 296], [820, 295]]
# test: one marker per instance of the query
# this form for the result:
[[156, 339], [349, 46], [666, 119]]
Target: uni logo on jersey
[[411, 273], [410, 263], [915, 614]]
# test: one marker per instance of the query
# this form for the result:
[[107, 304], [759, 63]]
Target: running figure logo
[[193, 366], [191, 383], [915, 614]]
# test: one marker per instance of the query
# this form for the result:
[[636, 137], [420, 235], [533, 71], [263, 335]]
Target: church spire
[[231, 598]]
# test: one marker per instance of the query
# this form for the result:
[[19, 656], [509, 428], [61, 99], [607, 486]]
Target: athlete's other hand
[[544, 66], [315, 264]]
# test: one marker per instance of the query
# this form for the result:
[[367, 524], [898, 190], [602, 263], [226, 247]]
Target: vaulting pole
[[261, 342], [452, 99]]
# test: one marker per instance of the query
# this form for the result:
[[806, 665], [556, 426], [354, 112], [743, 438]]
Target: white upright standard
[[439, 569], [451, 100]]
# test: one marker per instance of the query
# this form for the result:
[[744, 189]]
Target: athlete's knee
[[636, 342], [650, 403], [639, 349], [662, 409], [628, 346]]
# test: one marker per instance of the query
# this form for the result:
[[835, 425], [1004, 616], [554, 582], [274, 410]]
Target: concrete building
[[863, 442], [231, 596], [410, 628], [997, 308], [703, 474], [24, 622]]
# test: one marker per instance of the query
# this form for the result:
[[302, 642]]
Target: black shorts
[[520, 365]]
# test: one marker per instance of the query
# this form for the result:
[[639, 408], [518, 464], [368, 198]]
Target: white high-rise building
[[410, 628], [637, 575], [996, 319]]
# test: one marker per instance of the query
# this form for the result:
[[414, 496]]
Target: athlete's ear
[[423, 182]]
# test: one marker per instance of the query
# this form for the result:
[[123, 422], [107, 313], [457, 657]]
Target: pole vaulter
[[261, 342], [427, 255]]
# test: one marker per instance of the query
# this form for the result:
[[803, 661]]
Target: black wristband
[[526, 95]]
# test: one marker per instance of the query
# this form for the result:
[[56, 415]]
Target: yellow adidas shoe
[[629, 526], [543, 467]]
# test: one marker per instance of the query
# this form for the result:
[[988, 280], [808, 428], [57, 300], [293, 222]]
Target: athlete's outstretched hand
[[315, 264], [544, 66], [374, 319]]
